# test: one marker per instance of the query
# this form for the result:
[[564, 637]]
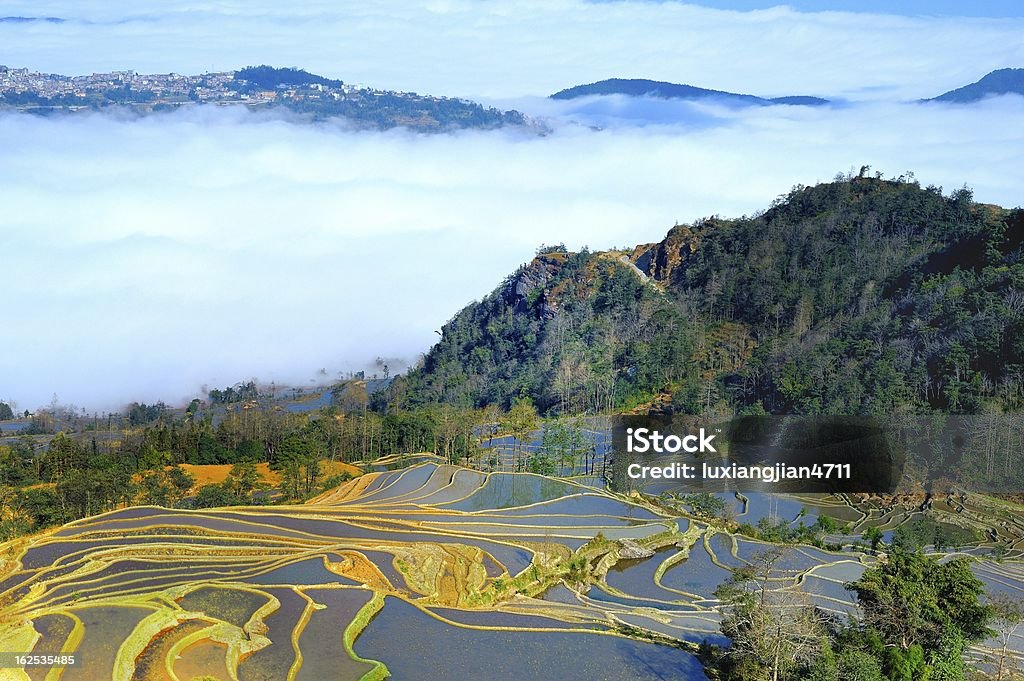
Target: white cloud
[[522, 47], [146, 257]]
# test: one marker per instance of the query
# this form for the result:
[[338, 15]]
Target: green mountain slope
[[860, 296]]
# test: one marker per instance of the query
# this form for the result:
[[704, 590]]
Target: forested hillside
[[859, 296]]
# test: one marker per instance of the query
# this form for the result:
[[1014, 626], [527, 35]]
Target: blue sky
[[948, 8]]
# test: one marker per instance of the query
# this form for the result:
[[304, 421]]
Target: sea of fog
[[145, 257]]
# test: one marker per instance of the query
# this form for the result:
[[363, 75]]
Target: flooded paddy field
[[322, 641], [416, 646], [424, 570]]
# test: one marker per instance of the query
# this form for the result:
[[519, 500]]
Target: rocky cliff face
[[665, 261], [530, 285]]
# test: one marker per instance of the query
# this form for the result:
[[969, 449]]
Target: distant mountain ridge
[[998, 82], [28, 20], [640, 87]]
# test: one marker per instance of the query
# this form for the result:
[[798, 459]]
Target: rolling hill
[[859, 296], [637, 87]]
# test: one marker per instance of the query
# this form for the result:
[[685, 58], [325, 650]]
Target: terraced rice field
[[428, 571]]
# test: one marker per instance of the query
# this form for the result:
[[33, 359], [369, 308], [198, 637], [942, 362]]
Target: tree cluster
[[917, 617]]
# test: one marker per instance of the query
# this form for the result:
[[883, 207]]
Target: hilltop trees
[[269, 77], [239, 393]]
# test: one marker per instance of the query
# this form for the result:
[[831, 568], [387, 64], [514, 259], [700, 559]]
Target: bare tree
[[773, 629], [1008, 623]]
